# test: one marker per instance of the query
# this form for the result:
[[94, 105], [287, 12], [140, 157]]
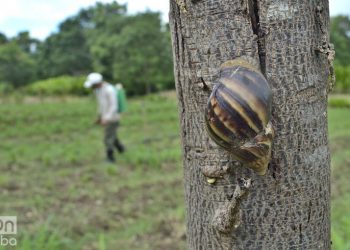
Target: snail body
[[238, 114]]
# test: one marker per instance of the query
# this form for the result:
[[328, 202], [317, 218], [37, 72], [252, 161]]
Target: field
[[54, 178]]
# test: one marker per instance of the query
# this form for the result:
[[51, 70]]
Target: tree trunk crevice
[[253, 7]]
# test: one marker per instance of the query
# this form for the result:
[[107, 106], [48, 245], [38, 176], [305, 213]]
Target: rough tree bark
[[289, 207]]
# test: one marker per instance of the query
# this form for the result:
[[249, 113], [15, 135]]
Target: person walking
[[108, 115]]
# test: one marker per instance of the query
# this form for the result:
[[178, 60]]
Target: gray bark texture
[[289, 207]]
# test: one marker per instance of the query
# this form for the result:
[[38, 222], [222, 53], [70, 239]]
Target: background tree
[[26, 42], [340, 37], [132, 49], [143, 55], [3, 38], [65, 53], [289, 207], [16, 66], [105, 22]]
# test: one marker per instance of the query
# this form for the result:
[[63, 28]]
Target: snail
[[238, 114]]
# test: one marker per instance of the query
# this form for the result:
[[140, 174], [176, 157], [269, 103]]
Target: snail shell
[[238, 114]]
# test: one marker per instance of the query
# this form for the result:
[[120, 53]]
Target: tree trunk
[[289, 207]]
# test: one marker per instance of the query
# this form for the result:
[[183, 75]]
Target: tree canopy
[[16, 66], [340, 37], [132, 49]]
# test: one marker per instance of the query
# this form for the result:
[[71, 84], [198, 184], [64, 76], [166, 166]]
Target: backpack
[[121, 98]]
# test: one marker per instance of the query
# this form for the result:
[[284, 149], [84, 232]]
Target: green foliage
[[342, 79], [340, 37], [25, 42], [64, 53], [103, 24], [5, 88], [62, 85], [16, 66], [3, 38], [339, 102], [142, 64], [132, 49]]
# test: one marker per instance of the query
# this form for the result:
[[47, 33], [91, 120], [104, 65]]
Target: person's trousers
[[110, 137]]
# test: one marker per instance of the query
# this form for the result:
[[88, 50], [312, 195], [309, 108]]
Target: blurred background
[[53, 175]]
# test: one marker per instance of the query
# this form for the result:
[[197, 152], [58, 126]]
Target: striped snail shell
[[238, 114]]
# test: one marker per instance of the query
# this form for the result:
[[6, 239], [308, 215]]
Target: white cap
[[92, 79]]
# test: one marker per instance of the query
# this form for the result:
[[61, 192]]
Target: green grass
[[55, 180], [339, 133], [339, 101], [53, 176]]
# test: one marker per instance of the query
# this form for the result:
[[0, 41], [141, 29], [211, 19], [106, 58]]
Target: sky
[[41, 17]]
